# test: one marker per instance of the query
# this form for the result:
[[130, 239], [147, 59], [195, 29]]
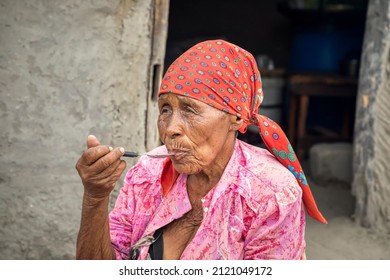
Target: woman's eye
[[164, 109], [189, 109]]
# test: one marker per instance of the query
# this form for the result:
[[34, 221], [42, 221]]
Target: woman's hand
[[100, 167]]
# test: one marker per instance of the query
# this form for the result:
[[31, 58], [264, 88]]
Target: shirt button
[[206, 209]]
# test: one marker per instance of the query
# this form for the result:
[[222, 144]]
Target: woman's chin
[[186, 168]]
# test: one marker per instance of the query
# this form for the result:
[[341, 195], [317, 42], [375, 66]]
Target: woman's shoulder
[[261, 161], [261, 168]]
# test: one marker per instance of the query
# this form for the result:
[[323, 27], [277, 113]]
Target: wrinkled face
[[198, 135]]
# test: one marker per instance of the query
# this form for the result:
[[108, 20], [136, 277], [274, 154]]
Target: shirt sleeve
[[277, 230], [121, 217]]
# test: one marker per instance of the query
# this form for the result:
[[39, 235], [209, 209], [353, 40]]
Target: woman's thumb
[[92, 141]]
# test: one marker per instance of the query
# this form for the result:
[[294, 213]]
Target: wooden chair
[[300, 88]]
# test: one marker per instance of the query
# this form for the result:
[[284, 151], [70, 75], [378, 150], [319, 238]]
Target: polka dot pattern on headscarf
[[219, 74]]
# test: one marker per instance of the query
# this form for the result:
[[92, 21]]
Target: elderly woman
[[214, 197]]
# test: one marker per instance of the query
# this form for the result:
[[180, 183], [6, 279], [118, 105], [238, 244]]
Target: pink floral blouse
[[254, 212]]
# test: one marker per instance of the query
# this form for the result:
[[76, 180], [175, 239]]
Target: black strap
[[156, 249]]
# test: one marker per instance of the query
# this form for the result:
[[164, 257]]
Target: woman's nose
[[174, 126]]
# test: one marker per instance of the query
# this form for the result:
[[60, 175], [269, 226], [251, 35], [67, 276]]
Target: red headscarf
[[226, 77]]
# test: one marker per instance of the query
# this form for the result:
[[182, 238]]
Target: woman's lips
[[177, 154]]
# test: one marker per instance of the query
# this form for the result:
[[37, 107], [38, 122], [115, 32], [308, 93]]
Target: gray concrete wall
[[371, 183], [67, 69]]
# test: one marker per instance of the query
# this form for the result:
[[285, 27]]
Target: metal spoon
[[135, 154]]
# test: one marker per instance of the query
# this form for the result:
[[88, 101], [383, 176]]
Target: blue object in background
[[323, 49]]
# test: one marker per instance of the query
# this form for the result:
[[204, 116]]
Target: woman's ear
[[236, 123]]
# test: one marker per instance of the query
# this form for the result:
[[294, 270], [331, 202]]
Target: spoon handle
[[131, 154], [135, 154]]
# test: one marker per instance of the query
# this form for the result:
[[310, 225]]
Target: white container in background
[[273, 91]]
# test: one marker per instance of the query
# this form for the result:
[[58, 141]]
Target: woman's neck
[[201, 183]]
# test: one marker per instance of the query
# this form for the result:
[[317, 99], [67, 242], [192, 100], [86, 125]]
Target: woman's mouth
[[177, 154]]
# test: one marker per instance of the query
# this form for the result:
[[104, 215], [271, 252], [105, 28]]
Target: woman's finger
[[117, 173], [107, 160], [109, 171]]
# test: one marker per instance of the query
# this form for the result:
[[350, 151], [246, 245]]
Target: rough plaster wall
[[371, 183], [67, 69]]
